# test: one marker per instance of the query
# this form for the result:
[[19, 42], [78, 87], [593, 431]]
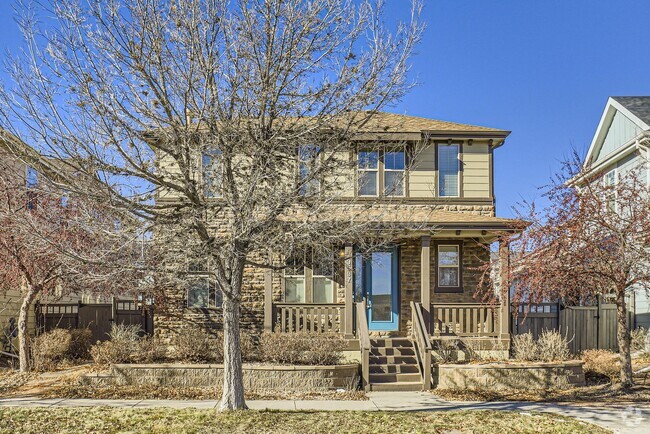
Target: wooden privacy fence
[[586, 327], [464, 320], [299, 317], [98, 318]]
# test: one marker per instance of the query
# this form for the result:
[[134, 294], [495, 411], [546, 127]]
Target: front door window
[[377, 281]]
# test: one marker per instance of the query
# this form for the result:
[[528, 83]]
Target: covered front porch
[[440, 273]]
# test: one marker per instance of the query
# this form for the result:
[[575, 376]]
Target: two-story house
[[621, 144], [423, 284]]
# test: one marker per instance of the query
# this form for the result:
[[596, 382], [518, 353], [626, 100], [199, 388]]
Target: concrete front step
[[397, 351], [393, 360], [394, 369], [394, 377], [391, 342], [406, 386]]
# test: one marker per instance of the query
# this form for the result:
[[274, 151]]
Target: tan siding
[[422, 173], [476, 171], [10, 308]]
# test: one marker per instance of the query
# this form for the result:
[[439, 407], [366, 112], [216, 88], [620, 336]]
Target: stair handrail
[[364, 344], [422, 343]]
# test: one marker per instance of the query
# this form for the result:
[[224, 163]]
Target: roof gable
[[618, 126]]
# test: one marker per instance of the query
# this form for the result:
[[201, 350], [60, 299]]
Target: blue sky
[[543, 69]]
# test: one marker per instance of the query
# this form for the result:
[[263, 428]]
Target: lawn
[[110, 420]]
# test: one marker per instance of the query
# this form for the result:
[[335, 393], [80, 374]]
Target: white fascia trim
[[610, 109]]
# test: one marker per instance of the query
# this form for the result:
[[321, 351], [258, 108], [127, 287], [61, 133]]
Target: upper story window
[[394, 167], [448, 170], [31, 177], [610, 179], [212, 173], [307, 164], [449, 260], [368, 173]]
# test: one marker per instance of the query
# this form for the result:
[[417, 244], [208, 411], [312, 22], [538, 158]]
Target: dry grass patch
[[106, 420], [591, 394], [191, 393]]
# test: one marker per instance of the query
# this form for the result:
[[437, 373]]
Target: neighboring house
[[621, 144], [448, 188], [56, 310]]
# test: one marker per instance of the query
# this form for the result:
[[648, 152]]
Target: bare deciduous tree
[[590, 240], [225, 127], [50, 244]]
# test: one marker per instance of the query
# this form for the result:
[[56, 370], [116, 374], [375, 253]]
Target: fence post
[[268, 300], [599, 316]]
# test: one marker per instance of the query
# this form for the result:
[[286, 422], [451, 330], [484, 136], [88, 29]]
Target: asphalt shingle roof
[[638, 105]]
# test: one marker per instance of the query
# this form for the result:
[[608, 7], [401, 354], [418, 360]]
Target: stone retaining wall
[[256, 377], [515, 376]]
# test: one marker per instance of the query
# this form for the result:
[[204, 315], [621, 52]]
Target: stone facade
[[175, 317], [256, 377], [511, 376]]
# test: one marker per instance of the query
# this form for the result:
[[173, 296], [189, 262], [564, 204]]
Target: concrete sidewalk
[[634, 418]]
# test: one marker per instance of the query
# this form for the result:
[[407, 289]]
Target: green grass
[[109, 420]]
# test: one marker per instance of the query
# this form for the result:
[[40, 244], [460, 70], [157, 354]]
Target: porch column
[[504, 272], [268, 300], [349, 291], [425, 278]]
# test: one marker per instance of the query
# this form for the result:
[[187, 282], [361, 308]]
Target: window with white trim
[[310, 277], [202, 292], [367, 173], [610, 180], [307, 164], [394, 168], [448, 265], [294, 279], [448, 170], [212, 173], [323, 277]]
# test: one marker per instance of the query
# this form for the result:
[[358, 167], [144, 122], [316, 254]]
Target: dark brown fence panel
[[97, 318], [130, 313], [52, 316]]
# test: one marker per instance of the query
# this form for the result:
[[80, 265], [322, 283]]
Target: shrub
[[301, 348], [58, 345], [197, 345], [525, 348], [640, 340], [50, 348], [553, 346], [601, 364], [80, 343], [123, 344], [446, 350], [149, 349]]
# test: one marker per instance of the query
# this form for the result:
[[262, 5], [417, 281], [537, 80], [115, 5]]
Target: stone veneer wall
[[175, 317], [256, 377], [474, 256], [506, 376]]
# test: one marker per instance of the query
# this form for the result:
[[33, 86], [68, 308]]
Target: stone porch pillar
[[425, 278], [504, 296]]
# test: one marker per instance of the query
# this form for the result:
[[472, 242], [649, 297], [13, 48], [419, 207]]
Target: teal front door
[[380, 289]]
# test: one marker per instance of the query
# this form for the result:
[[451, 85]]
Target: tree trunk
[[623, 335], [23, 333], [233, 378]]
